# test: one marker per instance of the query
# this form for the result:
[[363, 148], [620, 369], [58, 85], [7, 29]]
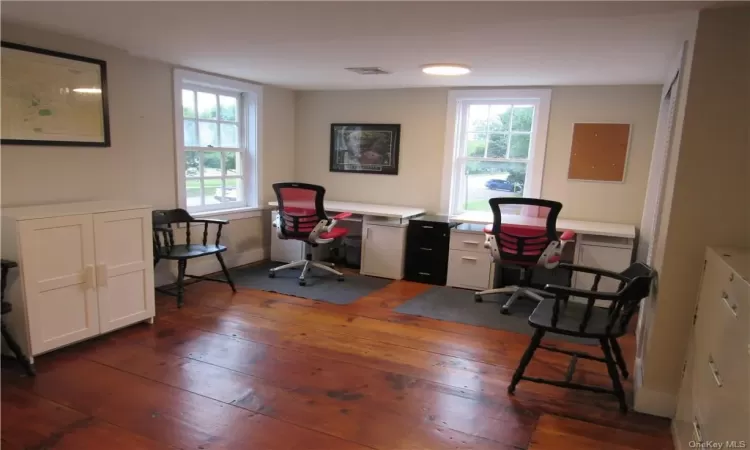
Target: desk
[[383, 228], [577, 226], [598, 244], [369, 209]]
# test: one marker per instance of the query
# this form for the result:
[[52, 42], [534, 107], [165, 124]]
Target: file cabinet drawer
[[469, 270]]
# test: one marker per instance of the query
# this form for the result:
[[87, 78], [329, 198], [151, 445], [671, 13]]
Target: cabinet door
[[609, 258], [57, 257], [124, 267], [383, 251]]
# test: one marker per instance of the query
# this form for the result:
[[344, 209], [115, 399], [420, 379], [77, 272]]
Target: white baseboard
[[167, 273], [675, 436]]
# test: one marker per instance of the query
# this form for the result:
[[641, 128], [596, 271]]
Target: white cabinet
[[470, 265], [383, 249], [84, 269], [714, 395], [615, 259]]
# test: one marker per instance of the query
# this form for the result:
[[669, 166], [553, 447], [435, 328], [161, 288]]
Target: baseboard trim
[[675, 436], [209, 264]]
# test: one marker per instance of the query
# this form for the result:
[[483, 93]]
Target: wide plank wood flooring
[[263, 371]]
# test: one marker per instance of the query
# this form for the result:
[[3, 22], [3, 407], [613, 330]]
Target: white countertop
[[369, 209], [577, 226], [69, 209]]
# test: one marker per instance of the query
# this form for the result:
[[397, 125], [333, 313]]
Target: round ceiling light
[[446, 69]]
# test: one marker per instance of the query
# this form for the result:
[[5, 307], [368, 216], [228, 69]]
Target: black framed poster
[[53, 98], [365, 148]]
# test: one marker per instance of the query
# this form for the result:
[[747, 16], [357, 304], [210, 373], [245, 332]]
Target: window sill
[[231, 214]]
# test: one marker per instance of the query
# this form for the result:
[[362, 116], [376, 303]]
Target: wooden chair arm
[[559, 290], [594, 271]]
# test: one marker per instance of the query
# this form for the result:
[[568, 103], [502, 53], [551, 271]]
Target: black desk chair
[[604, 324], [165, 247], [7, 307]]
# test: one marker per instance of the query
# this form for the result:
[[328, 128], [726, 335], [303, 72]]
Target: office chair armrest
[[559, 290], [594, 271], [332, 222]]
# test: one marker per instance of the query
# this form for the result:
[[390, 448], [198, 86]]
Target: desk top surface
[[369, 209], [578, 226]]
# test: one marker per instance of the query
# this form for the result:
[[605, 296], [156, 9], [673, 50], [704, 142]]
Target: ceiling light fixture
[[88, 90], [446, 69]]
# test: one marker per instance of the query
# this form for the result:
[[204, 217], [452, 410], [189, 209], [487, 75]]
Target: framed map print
[[365, 148], [53, 98]]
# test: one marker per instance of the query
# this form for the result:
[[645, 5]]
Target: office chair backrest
[[521, 244], [300, 208]]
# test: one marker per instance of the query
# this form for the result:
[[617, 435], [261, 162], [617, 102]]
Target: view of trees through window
[[497, 150], [213, 152]]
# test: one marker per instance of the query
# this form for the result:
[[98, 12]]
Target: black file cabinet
[[427, 245]]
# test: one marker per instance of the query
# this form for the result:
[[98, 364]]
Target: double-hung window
[[495, 147], [217, 142]]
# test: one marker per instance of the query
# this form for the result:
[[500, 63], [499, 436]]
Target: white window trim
[[538, 97], [252, 105]]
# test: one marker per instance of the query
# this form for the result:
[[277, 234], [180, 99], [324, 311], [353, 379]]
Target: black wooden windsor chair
[[604, 324], [166, 248]]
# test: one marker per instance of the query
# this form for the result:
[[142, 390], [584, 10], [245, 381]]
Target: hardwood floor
[[257, 370]]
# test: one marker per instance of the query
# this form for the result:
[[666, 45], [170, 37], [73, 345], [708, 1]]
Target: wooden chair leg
[[226, 272], [614, 375], [181, 267], [28, 367], [618, 357], [525, 359]]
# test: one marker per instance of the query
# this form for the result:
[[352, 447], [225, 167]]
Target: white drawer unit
[[83, 269], [714, 396], [383, 244], [469, 263]]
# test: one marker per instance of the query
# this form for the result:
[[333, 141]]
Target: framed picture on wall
[[53, 98], [365, 148]]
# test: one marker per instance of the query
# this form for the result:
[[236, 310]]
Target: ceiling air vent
[[368, 70]]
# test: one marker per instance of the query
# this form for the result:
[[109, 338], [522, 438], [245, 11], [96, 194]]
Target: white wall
[[140, 164], [422, 115], [714, 147]]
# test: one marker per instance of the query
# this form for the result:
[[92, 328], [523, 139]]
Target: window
[[496, 147], [217, 139]]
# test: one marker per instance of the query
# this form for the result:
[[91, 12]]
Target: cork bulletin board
[[599, 151]]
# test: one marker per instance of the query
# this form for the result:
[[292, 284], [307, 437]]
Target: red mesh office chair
[[524, 247], [302, 217]]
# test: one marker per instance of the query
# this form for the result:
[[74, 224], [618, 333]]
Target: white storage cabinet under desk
[[83, 269], [470, 265]]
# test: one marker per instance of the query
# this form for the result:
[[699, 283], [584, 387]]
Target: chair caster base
[[478, 298], [505, 311], [340, 279], [302, 282], [271, 274]]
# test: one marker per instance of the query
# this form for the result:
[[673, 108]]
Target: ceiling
[[307, 45]]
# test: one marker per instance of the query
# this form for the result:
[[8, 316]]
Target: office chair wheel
[[340, 278], [271, 274], [302, 282], [478, 298], [505, 310]]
